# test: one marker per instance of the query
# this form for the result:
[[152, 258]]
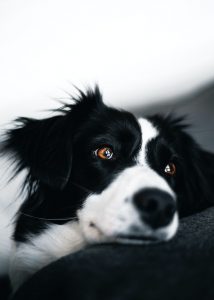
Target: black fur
[[59, 154], [193, 182], [62, 168]]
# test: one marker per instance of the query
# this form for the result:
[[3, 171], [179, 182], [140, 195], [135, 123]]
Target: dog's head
[[125, 179]]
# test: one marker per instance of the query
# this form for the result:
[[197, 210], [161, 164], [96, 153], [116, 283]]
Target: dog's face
[[130, 199], [125, 179]]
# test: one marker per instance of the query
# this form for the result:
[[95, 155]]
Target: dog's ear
[[205, 169], [195, 179], [198, 183], [43, 147], [198, 175]]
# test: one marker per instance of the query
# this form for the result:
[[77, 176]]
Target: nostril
[[150, 205], [146, 203]]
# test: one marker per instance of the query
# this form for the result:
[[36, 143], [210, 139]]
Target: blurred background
[[147, 56]]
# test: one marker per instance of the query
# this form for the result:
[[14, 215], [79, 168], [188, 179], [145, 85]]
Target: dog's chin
[[137, 240], [144, 239], [94, 232], [132, 239], [100, 237], [128, 239]]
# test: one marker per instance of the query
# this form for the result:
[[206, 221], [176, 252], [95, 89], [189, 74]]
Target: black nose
[[156, 207]]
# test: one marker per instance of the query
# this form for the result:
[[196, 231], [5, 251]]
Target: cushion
[[180, 269]]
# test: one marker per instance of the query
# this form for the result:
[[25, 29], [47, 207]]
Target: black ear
[[195, 177], [198, 175], [198, 183], [205, 168], [43, 147]]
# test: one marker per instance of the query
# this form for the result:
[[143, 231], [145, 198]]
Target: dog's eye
[[104, 153], [170, 169]]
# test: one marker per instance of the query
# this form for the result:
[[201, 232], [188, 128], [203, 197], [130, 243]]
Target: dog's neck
[[60, 241]]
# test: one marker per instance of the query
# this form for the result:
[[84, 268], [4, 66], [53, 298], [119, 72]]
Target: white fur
[[6, 230], [10, 201], [53, 243], [113, 211], [149, 132]]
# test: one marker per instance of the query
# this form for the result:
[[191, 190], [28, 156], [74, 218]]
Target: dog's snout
[[156, 207]]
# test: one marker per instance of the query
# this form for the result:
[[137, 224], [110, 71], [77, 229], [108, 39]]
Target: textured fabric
[[180, 269]]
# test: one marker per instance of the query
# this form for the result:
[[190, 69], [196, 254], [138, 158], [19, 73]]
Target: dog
[[96, 174]]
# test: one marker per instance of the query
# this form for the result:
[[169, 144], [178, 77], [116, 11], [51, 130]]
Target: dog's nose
[[156, 207]]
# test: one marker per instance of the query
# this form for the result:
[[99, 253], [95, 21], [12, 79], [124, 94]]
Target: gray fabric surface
[[180, 269]]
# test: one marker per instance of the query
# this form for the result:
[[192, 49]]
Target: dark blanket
[[180, 269]]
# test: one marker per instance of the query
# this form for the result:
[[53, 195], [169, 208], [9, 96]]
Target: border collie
[[96, 174]]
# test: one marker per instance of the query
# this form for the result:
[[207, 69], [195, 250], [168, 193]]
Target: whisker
[[58, 219], [201, 130], [82, 187], [48, 219]]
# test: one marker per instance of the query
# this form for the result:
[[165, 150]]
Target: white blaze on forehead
[[148, 132]]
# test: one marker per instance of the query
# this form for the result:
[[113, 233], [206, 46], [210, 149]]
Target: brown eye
[[170, 169], [104, 153]]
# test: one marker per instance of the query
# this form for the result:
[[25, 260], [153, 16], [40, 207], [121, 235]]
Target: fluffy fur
[[73, 197]]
